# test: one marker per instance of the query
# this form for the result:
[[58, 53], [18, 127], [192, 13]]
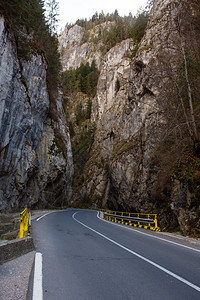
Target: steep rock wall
[[33, 169], [107, 115], [131, 119], [74, 50]]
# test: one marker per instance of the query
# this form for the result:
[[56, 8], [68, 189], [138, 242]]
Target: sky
[[71, 11]]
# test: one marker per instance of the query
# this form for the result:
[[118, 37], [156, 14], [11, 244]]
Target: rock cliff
[[135, 144], [75, 50], [134, 119], [34, 170]]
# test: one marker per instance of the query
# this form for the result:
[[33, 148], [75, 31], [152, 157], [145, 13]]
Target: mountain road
[[80, 256]]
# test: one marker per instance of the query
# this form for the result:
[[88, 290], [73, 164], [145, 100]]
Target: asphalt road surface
[[84, 257]]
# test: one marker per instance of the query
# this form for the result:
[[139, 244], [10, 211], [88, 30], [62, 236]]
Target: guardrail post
[[109, 216], [156, 222], [130, 224], [149, 223], [21, 230], [138, 215], [24, 222]]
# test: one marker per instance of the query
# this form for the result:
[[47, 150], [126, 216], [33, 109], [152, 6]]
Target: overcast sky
[[72, 10]]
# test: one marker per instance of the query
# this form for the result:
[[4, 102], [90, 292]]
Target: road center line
[[37, 281], [197, 288], [152, 236]]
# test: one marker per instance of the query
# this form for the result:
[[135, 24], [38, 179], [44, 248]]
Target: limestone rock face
[[130, 120], [75, 50], [108, 106], [127, 132], [30, 160]]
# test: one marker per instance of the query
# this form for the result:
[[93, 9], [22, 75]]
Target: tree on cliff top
[[27, 21], [52, 8]]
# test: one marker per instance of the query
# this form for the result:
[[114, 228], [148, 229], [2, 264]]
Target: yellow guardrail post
[[149, 223], [109, 216], [24, 222], [138, 216], [130, 224], [156, 222]]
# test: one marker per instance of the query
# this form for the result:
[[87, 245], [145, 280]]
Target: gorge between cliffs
[[120, 129]]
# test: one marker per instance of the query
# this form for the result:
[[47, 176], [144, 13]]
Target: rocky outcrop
[[34, 170], [130, 115], [112, 94], [79, 45]]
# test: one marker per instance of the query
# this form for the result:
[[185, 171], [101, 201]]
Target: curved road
[[84, 257]]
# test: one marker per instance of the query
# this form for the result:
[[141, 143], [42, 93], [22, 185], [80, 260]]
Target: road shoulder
[[14, 276]]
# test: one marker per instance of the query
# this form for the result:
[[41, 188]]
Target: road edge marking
[[190, 284], [144, 233], [37, 280]]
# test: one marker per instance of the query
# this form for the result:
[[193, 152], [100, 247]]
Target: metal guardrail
[[147, 221], [24, 223]]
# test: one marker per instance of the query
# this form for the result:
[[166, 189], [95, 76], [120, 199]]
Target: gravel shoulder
[[14, 277]]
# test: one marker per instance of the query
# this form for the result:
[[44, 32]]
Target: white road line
[[197, 288], [45, 215], [153, 236], [37, 281]]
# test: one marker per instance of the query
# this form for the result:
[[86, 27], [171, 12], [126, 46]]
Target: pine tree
[[52, 8]]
